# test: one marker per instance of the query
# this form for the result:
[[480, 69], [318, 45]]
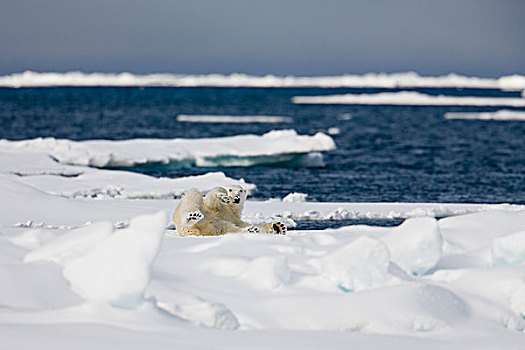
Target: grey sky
[[300, 37]]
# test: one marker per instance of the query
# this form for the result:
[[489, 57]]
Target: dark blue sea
[[384, 153]]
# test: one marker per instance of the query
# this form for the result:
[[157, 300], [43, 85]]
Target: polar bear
[[217, 213]]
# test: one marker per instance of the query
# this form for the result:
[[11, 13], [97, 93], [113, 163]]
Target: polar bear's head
[[237, 194]]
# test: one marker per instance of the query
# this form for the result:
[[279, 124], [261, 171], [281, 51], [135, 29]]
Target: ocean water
[[384, 153]]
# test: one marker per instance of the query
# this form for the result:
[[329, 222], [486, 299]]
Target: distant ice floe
[[233, 119], [296, 197], [502, 115], [277, 147], [409, 98], [380, 80]]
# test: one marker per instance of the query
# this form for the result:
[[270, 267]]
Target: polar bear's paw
[[223, 197], [193, 217], [253, 229], [278, 228]]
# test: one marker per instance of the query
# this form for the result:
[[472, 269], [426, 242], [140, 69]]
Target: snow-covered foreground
[[106, 272]]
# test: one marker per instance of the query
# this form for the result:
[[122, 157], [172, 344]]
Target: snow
[[203, 313], [509, 249], [409, 98], [106, 266], [381, 80], [360, 265], [109, 271], [415, 245], [503, 114]]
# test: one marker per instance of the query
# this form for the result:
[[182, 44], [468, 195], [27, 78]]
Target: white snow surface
[[383, 80], [103, 272], [410, 98]]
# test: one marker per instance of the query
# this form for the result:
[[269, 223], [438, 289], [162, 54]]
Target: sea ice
[[509, 249], [107, 266], [380, 80], [415, 245], [241, 150], [267, 272], [208, 314], [359, 265], [409, 98], [295, 197], [233, 119], [504, 114]]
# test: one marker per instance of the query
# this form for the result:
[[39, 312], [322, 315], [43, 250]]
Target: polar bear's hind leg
[[278, 228]]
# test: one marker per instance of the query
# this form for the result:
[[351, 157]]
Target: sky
[[297, 37]]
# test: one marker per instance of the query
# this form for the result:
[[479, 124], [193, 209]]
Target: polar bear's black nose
[[236, 200]]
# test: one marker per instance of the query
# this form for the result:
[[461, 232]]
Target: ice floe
[[410, 98], [274, 147], [233, 119], [383, 80], [501, 115]]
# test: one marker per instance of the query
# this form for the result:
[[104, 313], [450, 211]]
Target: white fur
[[219, 212]]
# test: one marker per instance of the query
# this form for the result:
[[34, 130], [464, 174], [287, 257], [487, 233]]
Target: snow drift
[[104, 265]]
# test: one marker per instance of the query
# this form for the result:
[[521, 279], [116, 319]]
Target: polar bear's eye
[[230, 190]]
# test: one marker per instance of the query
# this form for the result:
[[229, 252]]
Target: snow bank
[[382, 80], [274, 147], [233, 119], [476, 231], [267, 272], [104, 265], [509, 249], [415, 245], [360, 265], [503, 114], [409, 98]]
